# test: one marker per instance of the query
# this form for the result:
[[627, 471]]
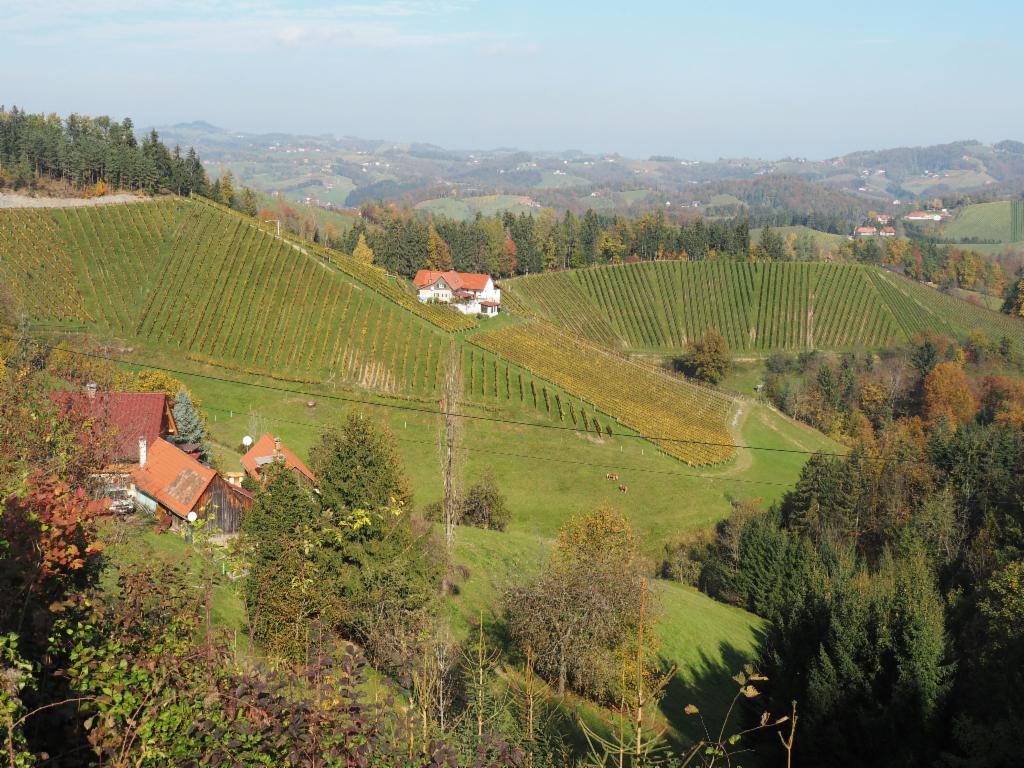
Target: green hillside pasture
[[953, 179], [449, 207], [693, 420], [827, 241], [661, 306], [985, 221], [561, 181], [465, 208], [708, 641], [547, 473]]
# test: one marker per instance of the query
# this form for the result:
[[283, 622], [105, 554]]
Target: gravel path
[[12, 200]]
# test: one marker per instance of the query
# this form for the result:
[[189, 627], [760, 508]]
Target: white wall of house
[[442, 292]]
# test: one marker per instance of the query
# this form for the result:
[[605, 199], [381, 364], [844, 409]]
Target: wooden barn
[[170, 484]]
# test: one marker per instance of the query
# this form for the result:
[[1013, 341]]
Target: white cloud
[[240, 23]]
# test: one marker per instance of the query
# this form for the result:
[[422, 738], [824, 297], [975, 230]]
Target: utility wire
[[423, 409], [490, 452]]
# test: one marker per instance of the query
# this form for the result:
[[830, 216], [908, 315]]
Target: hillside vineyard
[[758, 307], [181, 275], [200, 280], [642, 398]]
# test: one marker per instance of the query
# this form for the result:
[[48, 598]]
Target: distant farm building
[[888, 232], [923, 216], [865, 232], [470, 293]]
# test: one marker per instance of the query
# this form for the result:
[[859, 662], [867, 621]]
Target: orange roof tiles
[[262, 453], [172, 477], [473, 281]]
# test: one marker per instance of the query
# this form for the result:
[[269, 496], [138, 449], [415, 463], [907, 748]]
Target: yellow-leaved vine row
[[686, 421]]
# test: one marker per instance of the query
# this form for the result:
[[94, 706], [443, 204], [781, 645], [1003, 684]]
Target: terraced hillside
[[684, 420], [660, 306], [183, 275]]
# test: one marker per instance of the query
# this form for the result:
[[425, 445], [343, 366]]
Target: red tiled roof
[[172, 477], [128, 415], [473, 281], [489, 304], [262, 452], [889, 230]]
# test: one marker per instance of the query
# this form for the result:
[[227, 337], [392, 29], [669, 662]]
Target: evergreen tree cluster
[[514, 244], [892, 582], [86, 152]]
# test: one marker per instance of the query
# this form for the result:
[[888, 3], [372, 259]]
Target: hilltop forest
[[95, 153]]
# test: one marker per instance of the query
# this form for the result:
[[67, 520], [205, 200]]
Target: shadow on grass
[[708, 685]]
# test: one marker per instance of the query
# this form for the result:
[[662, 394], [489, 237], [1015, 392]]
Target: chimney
[[142, 452], [90, 390]]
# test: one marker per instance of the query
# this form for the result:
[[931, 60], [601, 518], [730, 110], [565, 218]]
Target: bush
[[707, 358], [484, 505]]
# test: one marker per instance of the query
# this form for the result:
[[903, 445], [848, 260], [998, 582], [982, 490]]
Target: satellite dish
[[247, 441], [192, 516]]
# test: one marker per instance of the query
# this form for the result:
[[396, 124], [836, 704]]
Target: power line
[[428, 411], [490, 452]]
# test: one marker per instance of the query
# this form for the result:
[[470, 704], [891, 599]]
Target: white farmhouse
[[470, 293]]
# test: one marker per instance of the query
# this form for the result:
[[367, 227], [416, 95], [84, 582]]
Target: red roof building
[[168, 480], [269, 449], [865, 231], [469, 281], [123, 416]]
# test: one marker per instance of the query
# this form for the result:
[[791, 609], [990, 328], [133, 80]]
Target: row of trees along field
[[510, 244], [91, 153], [892, 576]]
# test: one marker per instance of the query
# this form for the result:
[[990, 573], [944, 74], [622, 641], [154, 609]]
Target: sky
[[697, 80]]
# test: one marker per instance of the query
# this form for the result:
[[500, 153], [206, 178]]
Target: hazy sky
[[693, 79]]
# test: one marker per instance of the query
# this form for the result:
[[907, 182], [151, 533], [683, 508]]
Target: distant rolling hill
[[760, 308]]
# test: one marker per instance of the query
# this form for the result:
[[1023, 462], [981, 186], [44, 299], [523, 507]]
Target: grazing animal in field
[[623, 488], [612, 476]]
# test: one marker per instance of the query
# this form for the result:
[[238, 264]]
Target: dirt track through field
[[12, 200]]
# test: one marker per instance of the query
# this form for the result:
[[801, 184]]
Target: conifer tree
[[190, 424], [226, 191]]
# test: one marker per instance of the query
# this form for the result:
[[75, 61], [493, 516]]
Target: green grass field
[[547, 476], [985, 221], [953, 179], [465, 208], [827, 241], [760, 308]]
